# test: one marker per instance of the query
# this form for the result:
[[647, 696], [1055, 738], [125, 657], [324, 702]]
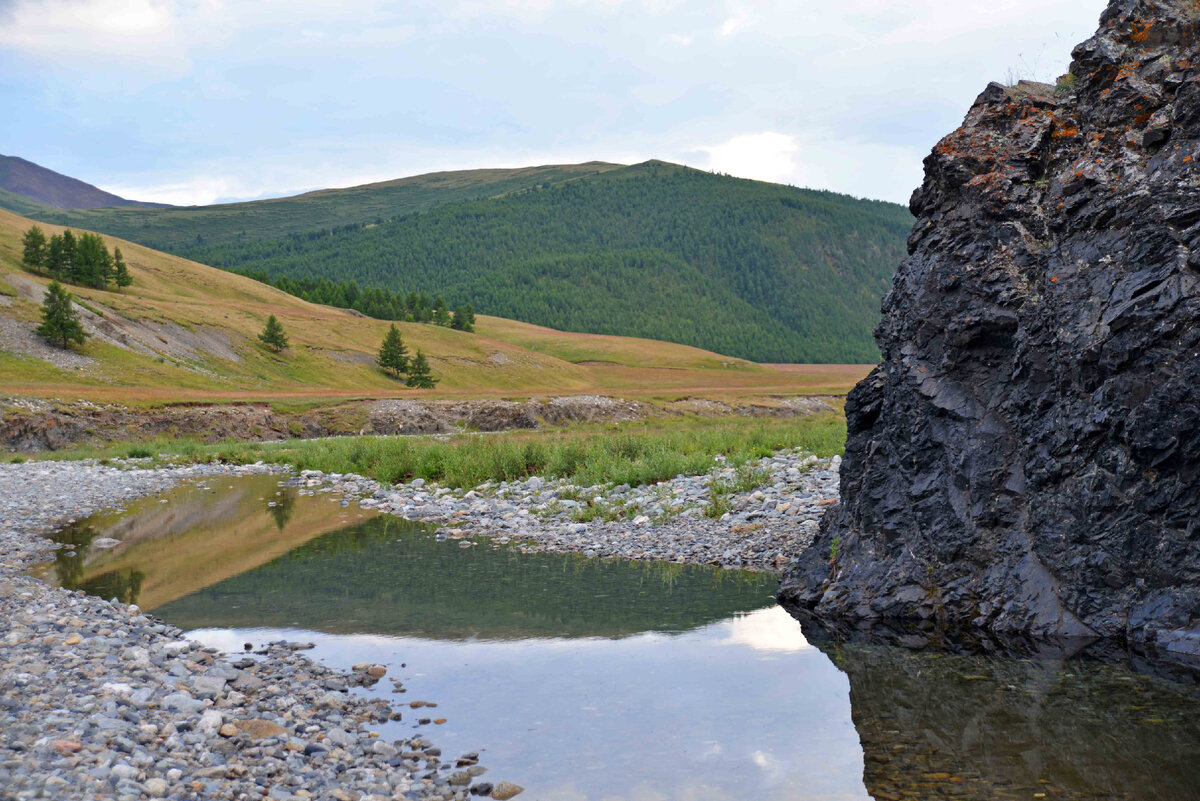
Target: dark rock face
[[1027, 456]]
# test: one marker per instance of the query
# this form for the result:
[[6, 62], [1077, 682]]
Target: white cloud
[[184, 100], [768, 156], [735, 24], [121, 29], [200, 191]]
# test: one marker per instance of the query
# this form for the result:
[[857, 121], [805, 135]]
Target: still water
[[588, 679]]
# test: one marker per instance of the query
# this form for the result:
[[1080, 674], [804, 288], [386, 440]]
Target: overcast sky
[[194, 101]]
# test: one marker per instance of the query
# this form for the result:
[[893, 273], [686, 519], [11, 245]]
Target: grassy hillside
[[180, 228], [187, 331], [762, 271], [756, 270]]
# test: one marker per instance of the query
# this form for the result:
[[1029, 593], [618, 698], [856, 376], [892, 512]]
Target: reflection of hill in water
[[934, 725], [385, 577], [197, 537]]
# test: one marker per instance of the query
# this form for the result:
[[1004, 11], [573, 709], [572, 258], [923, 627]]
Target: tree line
[[382, 304], [83, 259]]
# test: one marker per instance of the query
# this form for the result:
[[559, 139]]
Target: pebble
[[99, 700], [765, 524]]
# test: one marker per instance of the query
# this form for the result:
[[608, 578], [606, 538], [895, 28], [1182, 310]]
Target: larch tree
[[419, 374], [121, 275], [393, 356], [60, 321], [272, 335], [34, 254]]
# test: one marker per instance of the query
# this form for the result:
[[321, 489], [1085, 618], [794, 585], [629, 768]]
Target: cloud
[[735, 24], [767, 156], [163, 98], [124, 30]]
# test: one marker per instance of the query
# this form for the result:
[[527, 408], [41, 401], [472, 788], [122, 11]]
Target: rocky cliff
[[1026, 458]]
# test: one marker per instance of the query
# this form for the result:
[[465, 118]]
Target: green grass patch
[[589, 454]]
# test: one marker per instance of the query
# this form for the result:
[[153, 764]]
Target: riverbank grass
[[585, 454]]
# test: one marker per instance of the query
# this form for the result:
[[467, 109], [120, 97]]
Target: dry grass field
[[187, 332]]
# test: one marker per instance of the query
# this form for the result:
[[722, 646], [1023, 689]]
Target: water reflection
[[198, 535], [738, 708], [389, 576], [1054, 724], [590, 679]]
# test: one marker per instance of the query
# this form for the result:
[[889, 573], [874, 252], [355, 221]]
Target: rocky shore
[[765, 511], [100, 700]]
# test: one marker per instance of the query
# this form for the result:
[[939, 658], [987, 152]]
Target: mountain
[[177, 228], [184, 331], [756, 270], [32, 182]]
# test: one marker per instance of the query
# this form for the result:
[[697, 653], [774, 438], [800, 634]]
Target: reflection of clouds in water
[[771, 629], [232, 639]]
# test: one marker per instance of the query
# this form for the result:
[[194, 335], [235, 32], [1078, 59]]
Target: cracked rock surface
[[1026, 458]]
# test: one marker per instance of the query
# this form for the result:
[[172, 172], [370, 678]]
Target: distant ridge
[[49, 188]]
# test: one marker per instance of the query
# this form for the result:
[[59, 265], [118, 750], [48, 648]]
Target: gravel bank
[[772, 518], [98, 700]]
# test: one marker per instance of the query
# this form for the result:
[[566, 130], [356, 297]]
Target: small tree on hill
[[60, 321], [419, 374], [441, 312], [464, 319], [35, 248], [121, 275], [393, 356], [272, 335]]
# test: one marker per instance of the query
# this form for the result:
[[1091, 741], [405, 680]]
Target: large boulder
[[1026, 458]]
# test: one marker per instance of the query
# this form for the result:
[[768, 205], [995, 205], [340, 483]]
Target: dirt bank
[[29, 425]]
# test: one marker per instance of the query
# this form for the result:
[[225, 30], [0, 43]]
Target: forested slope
[[750, 269], [756, 270], [175, 228]]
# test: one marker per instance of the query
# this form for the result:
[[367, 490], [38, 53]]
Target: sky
[[199, 101]]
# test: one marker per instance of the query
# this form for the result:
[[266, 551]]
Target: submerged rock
[[1026, 458]]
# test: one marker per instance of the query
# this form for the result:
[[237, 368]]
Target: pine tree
[[70, 248], [393, 356], [58, 261], [35, 248], [272, 335], [464, 319], [60, 322], [120, 272], [93, 265], [419, 374], [441, 313]]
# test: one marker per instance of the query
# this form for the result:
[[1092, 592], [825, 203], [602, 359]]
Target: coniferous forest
[[746, 268]]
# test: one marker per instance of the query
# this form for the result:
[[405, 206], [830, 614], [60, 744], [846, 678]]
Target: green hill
[[756, 270], [178, 228]]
